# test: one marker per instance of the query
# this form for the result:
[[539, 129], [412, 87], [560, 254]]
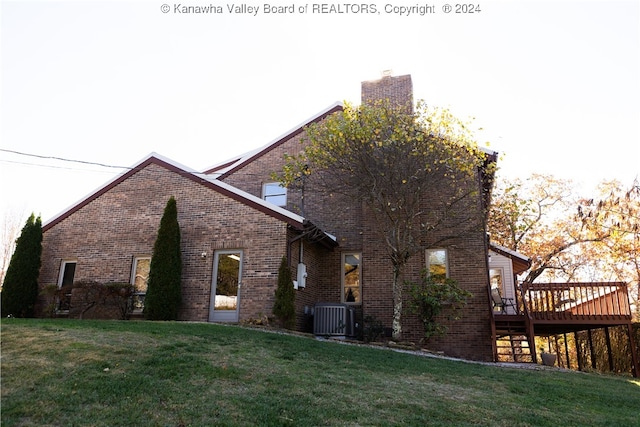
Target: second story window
[[274, 192]]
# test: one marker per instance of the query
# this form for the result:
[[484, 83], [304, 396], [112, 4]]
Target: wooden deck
[[546, 309], [569, 307]]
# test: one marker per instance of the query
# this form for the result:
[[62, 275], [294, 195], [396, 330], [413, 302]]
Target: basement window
[[274, 192], [140, 281], [351, 278]]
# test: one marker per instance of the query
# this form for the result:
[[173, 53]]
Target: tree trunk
[[396, 324]]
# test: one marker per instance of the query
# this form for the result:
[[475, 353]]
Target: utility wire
[[63, 159], [51, 166], [211, 175]]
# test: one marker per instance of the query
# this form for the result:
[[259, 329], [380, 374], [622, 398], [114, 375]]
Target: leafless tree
[[12, 221]]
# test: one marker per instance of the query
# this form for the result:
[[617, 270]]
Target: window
[[274, 192], [495, 277], [498, 292], [437, 263], [65, 283], [351, 278], [140, 281]]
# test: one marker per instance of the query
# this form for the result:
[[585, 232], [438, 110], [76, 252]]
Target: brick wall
[[106, 234], [320, 284], [469, 337], [397, 90]]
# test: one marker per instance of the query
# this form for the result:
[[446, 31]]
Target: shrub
[[99, 300], [433, 296], [372, 329], [284, 307], [164, 293], [20, 287], [50, 296]]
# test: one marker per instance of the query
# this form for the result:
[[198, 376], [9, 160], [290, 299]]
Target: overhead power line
[[63, 159], [85, 162], [53, 166]]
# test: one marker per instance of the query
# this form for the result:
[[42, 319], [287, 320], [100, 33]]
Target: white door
[[225, 289]]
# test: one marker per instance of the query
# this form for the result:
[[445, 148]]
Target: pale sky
[[554, 84]]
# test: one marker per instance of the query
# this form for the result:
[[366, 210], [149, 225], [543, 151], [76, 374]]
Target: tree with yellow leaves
[[415, 172]]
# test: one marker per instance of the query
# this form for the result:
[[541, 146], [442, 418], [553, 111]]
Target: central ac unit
[[334, 320]]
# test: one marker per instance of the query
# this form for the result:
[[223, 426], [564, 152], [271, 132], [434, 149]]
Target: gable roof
[[225, 168], [521, 263], [257, 203]]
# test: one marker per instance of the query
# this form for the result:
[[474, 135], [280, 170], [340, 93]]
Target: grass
[[110, 373]]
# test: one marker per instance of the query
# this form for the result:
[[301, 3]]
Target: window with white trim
[[495, 277], [437, 263], [274, 192], [139, 281], [351, 278]]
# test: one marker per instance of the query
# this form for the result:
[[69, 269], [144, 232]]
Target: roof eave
[[522, 262], [248, 199], [229, 166]]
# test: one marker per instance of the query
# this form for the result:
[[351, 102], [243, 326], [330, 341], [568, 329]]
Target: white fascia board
[[487, 151], [331, 236], [236, 161], [250, 197], [230, 188], [114, 179], [509, 251], [243, 157], [186, 169]]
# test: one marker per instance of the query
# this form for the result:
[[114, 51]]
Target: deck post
[[593, 359], [566, 350], [635, 369], [607, 337], [578, 352]]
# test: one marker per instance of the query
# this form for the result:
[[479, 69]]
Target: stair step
[[513, 346]]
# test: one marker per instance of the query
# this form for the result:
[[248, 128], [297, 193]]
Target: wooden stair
[[512, 343], [514, 348]]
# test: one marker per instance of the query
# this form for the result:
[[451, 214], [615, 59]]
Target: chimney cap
[[387, 73]]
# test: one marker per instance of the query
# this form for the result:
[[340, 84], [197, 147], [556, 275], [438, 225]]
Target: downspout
[[485, 185]]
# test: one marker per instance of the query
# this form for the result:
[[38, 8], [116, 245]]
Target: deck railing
[[571, 301]]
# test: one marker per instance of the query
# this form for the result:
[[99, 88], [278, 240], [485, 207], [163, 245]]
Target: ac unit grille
[[335, 320]]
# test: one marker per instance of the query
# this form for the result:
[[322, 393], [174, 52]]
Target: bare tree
[[568, 237], [12, 221], [616, 212]]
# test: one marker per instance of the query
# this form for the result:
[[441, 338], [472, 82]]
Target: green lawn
[[116, 373]]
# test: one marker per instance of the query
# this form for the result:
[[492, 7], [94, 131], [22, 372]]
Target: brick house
[[236, 226], [109, 237]]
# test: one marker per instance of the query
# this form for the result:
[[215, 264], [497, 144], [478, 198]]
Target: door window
[[227, 274]]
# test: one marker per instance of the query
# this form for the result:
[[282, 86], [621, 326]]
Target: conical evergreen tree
[[164, 293], [284, 307], [20, 287]]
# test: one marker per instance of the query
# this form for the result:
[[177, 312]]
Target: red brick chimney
[[398, 90]]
